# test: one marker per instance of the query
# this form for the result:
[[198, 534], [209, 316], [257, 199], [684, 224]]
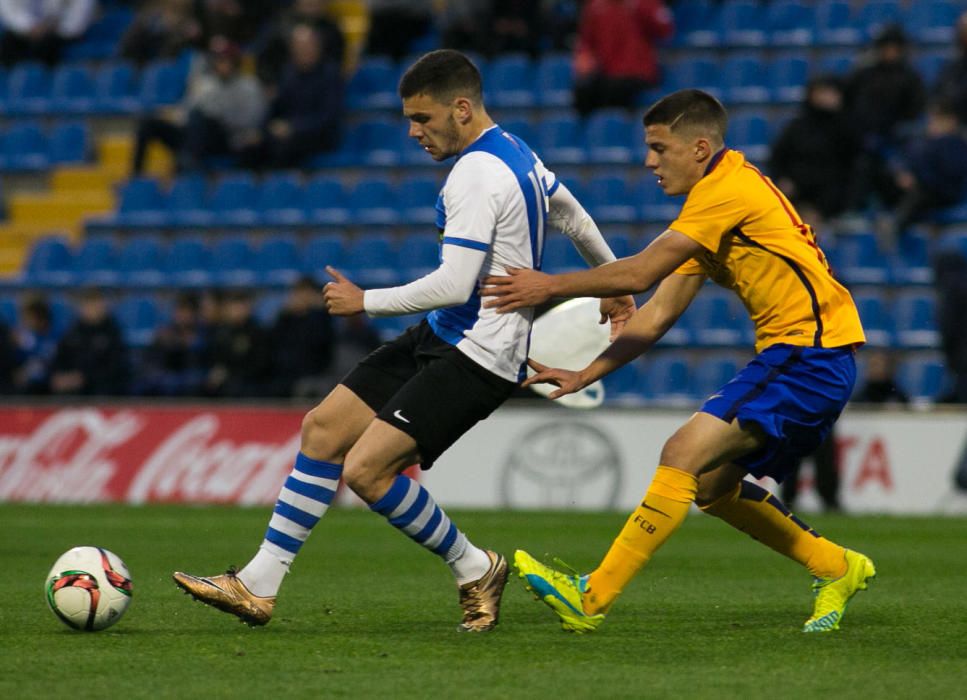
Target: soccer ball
[[88, 588]]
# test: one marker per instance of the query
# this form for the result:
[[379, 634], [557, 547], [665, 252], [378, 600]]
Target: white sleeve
[[567, 214], [449, 285]]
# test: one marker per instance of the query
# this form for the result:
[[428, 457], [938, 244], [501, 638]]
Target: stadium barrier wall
[[522, 457]]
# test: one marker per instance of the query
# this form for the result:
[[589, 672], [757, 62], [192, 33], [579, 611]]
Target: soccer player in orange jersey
[[739, 230]]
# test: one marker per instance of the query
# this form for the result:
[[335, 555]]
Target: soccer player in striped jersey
[[737, 229], [413, 397]]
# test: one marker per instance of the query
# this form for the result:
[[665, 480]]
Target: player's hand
[[566, 380], [522, 287], [342, 297], [619, 310]]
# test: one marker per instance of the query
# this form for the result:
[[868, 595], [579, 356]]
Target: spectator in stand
[[8, 358], [395, 24], [815, 153], [950, 278], [460, 22], [825, 476], [306, 114], [161, 29], [883, 98], [240, 351], [91, 358], [615, 58], [303, 343], [951, 86], [881, 386], [933, 172], [356, 338], [222, 110], [238, 20], [514, 27], [37, 344], [272, 52], [38, 30], [177, 360]]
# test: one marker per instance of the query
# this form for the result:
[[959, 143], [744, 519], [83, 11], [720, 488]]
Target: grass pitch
[[366, 613]]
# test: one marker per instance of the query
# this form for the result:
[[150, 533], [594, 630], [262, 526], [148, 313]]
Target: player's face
[[677, 161], [433, 125]]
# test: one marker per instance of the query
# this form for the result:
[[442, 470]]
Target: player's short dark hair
[[444, 75], [692, 110]]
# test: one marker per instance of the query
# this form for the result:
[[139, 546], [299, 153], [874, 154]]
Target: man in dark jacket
[[91, 358], [303, 342], [952, 84]]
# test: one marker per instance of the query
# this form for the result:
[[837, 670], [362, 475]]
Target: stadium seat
[[49, 263], [694, 71], [555, 81], [929, 64], [277, 261], [101, 39], [141, 262], [25, 147], [233, 262], [791, 23], [281, 200], [834, 63], [189, 263], [372, 261], [933, 22], [141, 204], [670, 380], [621, 243], [116, 89], [8, 312], [749, 133], [233, 200], [561, 141], [877, 320], [743, 23], [712, 373], [379, 142], [511, 82], [560, 255], [911, 263], [716, 320], [860, 261], [322, 250], [696, 24], [417, 198], [95, 263], [611, 200], [921, 380], [834, 24], [627, 386], [916, 320], [522, 129], [611, 137], [746, 79], [373, 86], [73, 90], [787, 78], [28, 89], [267, 307], [419, 254], [162, 84], [373, 202], [326, 201], [654, 205], [187, 204], [69, 143], [872, 16], [139, 317]]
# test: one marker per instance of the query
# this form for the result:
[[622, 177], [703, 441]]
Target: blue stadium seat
[[233, 262], [622, 244], [933, 21], [116, 89], [49, 263], [694, 71], [654, 205], [28, 89], [233, 200], [787, 78], [611, 137], [627, 386], [555, 81], [834, 63], [791, 23], [834, 24], [921, 380], [25, 147], [326, 201], [511, 82], [141, 262], [877, 320], [69, 143], [749, 133], [162, 84], [379, 142], [267, 307], [712, 373], [95, 263], [322, 250], [278, 261], [746, 79], [100, 41], [561, 141], [373, 86], [189, 263], [373, 202], [281, 200], [860, 261], [743, 23], [911, 264], [612, 200], [872, 16], [417, 198], [141, 204], [716, 320], [419, 254], [560, 255], [671, 380], [929, 64], [916, 320], [139, 317], [73, 90], [372, 261], [696, 24], [8, 312], [522, 129], [187, 204]]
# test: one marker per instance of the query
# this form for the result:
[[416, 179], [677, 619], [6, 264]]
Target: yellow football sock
[[759, 514], [664, 508]]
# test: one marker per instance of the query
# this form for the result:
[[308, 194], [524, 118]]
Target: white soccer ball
[[88, 588]]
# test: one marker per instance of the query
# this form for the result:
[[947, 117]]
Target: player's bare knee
[[321, 437], [362, 478]]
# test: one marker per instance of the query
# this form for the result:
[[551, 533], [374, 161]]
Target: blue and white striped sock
[[304, 498], [410, 508]]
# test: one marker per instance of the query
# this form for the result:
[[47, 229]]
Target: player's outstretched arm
[[631, 275]]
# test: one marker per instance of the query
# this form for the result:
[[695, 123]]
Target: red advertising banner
[[195, 454]]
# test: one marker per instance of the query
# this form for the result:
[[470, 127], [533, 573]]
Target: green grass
[[365, 613]]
